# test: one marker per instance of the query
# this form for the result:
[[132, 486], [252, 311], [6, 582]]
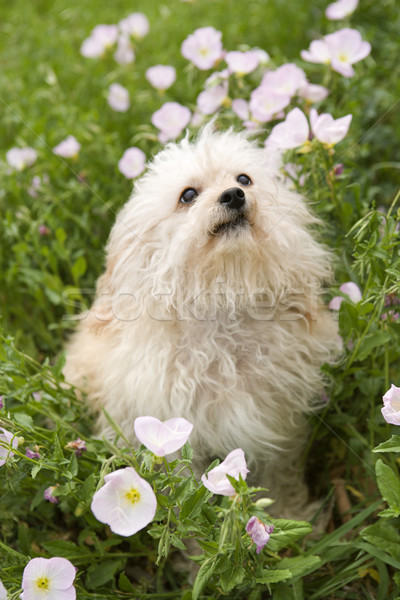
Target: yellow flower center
[[343, 58], [132, 496], [204, 51], [42, 583]]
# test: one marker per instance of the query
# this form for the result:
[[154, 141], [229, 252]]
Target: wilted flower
[[78, 445], [203, 47], [161, 77], [171, 119], [136, 24], [3, 592], [341, 9], [286, 80], [124, 54], [20, 158], [211, 99], [30, 454], [126, 502], [242, 63], [68, 148], [234, 465], [351, 290], [48, 579], [6, 437], [312, 92], [391, 408], [327, 129], [266, 103], [292, 132], [162, 438], [259, 532], [48, 494], [132, 162], [118, 97]]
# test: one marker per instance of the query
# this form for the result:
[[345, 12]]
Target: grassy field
[[52, 252]]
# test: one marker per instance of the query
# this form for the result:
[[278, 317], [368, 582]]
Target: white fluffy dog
[[209, 309]]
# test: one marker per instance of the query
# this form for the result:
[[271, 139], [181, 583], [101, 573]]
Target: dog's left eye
[[243, 179], [188, 196]]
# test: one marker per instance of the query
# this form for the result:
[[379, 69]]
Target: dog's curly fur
[[216, 322]]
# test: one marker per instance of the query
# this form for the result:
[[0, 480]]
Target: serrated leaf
[[389, 485], [187, 452], [35, 470]]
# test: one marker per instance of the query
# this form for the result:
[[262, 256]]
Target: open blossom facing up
[[161, 77], [234, 465], [171, 119], [68, 148], [48, 579], [100, 40], [341, 9], [136, 24], [340, 49], [292, 132], [287, 80], [265, 103], [259, 532], [203, 47], [162, 438], [126, 502], [242, 63], [20, 158], [132, 164], [118, 97], [351, 290], [212, 98], [391, 408], [327, 129], [6, 437]]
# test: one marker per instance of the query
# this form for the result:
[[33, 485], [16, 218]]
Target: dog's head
[[208, 213]]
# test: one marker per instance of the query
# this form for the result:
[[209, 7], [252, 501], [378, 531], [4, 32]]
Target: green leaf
[[300, 566], [392, 445], [23, 420], [384, 536], [203, 577], [79, 268], [231, 577], [389, 485], [286, 532], [62, 548], [124, 584], [187, 452], [273, 576], [192, 506], [372, 341], [100, 574]]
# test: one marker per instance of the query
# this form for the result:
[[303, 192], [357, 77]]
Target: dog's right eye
[[188, 196]]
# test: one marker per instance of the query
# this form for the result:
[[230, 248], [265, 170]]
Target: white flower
[[126, 502], [118, 97], [124, 54], [3, 592], [161, 77], [286, 80], [68, 148], [292, 132], [341, 9], [203, 47], [242, 62], [132, 162], [312, 92], [234, 465], [20, 158], [100, 40], [327, 129], [162, 438], [266, 103], [171, 119], [136, 24], [391, 408], [211, 99], [48, 579], [6, 437]]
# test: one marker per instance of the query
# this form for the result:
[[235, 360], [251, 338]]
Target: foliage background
[[48, 91]]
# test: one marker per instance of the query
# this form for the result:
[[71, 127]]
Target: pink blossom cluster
[[120, 37]]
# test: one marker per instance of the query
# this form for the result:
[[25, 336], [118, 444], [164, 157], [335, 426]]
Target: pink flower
[[234, 465], [242, 63], [286, 80], [259, 532], [391, 408], [30, 454], [78, 445], [68, 148], [124, 54], [265, 103], [211, 99], [6, 439], [20, 158], [171, 119], [132, 162], [118, 97], [349, 289], [346, 47], [328, 130], [126, 502], [241, 108], [317, 53], [2, 403], [136, 24], [100, 40], [292, 132], [48, 494], [3, 592], [203, 47], [48, 579], [341, 9], [312, 92], [162, 438], [161, 77]]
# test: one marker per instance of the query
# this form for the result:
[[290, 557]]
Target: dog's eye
[[188, 196], [244, 179]]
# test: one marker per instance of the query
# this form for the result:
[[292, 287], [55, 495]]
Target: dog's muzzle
[[233, 201], [233, 198]]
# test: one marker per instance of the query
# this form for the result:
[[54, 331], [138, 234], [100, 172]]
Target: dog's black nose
[[233, 198]]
